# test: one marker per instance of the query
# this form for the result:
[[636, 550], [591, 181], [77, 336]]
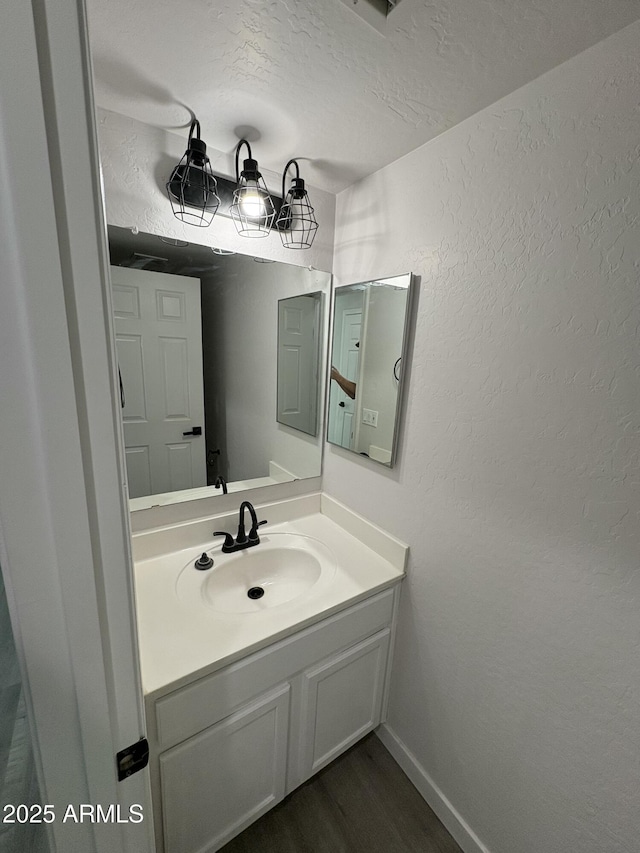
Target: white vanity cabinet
[[230, 745]]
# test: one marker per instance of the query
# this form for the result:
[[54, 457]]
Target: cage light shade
[[297, 223], [252, 210], [192, 187]]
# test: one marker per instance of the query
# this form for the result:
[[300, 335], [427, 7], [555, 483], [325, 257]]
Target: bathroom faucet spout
[[242, 540]]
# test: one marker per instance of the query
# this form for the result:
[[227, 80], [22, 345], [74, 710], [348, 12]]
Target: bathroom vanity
[[246, 699]]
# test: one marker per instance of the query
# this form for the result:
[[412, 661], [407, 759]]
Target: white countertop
[[180, 642]]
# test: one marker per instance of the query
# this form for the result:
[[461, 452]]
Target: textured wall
[[517, 667], [137, 160]]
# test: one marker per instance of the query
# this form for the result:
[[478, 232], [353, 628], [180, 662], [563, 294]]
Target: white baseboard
[[457, 826]]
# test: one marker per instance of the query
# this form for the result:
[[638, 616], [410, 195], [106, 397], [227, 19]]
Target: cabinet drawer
[[191, 709]]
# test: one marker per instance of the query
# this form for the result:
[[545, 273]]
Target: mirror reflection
[[369, 343], [299, 328], [197, 348]]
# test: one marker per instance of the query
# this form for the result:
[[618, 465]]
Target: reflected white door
[[346, 358], [298, 353], [159, 344]]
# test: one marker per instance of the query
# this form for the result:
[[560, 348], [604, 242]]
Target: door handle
[[194, 431], [341, 404]]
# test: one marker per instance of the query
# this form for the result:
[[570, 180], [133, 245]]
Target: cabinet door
[[341, 701], [218, 782]]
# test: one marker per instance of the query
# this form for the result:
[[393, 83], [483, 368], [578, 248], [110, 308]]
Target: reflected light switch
[[369, 416]]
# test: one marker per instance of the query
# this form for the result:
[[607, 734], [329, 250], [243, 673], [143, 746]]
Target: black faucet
[[220, 481], [242, 541]]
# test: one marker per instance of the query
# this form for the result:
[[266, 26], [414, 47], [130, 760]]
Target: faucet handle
[[228, 539], [253, 533]]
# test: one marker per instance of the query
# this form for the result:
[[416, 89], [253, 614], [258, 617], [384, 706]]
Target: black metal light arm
[[195, 124], [250, 170], [291, 162]]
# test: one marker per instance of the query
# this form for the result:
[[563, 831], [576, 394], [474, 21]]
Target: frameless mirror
[[197, 338], [369, 343], [299, 343]]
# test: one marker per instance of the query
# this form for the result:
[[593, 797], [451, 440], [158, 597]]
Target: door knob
[[341, 404], [194, 431]]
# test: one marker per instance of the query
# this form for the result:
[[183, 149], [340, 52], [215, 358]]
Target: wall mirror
[[197, 346], [369, 345]]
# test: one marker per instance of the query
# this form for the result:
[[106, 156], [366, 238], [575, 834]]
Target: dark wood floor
[[361, 803]]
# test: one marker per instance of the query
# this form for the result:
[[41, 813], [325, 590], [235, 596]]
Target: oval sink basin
[[283, 567]]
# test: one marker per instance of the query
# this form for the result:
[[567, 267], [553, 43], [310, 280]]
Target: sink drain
[[255, 592]]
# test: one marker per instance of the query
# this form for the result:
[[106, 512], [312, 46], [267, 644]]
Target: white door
[[159, 344], [298, 354], [346, 358], [350, 361]]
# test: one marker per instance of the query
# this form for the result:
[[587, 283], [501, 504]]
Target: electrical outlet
[[369, 416]]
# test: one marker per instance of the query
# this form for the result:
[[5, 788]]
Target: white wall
[[240, 374], [137, 160], [517, 669]]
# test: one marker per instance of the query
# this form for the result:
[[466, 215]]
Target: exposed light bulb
[[253, 210], [252, 203]]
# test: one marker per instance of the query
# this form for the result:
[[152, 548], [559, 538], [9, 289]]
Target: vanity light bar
[[225, 190], [196, 195]]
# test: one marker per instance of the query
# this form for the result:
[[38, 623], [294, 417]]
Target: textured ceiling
[[311, 79]]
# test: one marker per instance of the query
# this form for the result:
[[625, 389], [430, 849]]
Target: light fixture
[[296, 221], [196, 194], [252, 210], [192, 187]]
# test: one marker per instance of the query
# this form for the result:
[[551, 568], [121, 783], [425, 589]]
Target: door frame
[[64, 521]]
